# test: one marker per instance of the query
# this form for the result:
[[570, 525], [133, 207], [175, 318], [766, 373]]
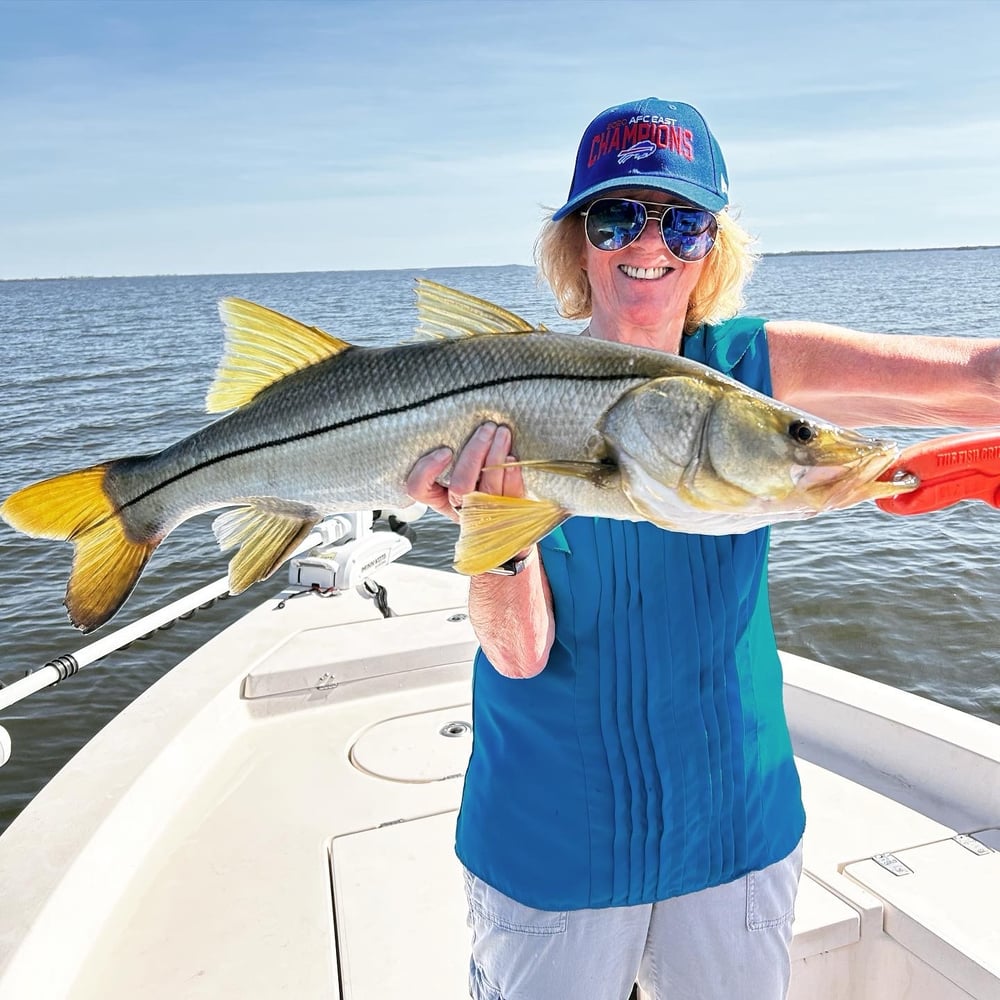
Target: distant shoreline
[[458, 267], [813, 253]]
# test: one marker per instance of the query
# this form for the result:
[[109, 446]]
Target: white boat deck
[[283, 828]]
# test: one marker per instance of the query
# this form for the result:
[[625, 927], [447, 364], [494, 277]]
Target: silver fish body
[[344, 433]]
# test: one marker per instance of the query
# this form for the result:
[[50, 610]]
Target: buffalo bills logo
[[637, 151]]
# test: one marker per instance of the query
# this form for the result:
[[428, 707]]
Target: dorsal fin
[[263, 346], [446, 312]]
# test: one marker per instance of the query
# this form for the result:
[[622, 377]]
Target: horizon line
[[460, 267]]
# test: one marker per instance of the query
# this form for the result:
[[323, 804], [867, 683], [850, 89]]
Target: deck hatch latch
[[971, 844], [892, 864]]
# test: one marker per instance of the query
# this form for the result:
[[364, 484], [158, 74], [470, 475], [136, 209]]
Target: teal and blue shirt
[[650, 758]]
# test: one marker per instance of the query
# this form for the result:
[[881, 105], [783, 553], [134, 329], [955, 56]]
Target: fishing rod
[[349, 569]]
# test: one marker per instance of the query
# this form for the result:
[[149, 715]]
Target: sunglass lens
[[614, 223], [689, 233]]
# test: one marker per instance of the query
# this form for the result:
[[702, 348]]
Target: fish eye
[[801, 431]]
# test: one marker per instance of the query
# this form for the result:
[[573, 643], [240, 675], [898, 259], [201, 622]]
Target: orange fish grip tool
[[951, 468]]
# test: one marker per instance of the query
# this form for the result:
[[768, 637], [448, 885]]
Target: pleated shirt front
[[650, 758]]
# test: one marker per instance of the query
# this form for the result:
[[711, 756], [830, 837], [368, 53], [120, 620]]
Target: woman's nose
[[651, 231]]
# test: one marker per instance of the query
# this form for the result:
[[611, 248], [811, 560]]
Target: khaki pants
[[729, 942]]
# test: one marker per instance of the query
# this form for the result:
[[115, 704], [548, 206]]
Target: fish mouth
[[644, 273], [845, 483]]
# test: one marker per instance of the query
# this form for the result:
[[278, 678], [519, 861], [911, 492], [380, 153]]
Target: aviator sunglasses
[[688, 232]]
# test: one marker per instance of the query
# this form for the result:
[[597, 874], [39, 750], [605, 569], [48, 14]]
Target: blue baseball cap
[[664, 145]]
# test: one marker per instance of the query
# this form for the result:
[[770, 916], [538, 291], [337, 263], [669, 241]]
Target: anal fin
[[267, 531]]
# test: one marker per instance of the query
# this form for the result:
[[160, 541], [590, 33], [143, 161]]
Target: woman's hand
[[479, 466], [511, 615]]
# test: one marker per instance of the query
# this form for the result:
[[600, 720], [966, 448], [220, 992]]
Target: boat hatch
[[399, 910], [426, 746], [941, 904], [338, 657]]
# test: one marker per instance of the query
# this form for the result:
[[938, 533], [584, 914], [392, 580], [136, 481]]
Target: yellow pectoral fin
[[267, 533], [495, 528]]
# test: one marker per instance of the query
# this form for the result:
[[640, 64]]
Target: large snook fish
[[319, 426]]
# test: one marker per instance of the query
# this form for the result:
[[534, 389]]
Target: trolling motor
[[355, 551]]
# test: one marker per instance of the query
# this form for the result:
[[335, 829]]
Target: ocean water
[[99, 368]]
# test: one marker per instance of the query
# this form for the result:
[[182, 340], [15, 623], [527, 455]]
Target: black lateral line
[[361, 418]]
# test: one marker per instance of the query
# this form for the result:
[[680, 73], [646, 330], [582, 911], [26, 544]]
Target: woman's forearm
[[513, 620], [869, 379]]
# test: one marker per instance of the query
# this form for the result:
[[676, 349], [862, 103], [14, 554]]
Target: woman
[[631, 809]]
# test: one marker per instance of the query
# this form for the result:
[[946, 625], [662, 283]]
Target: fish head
[[789, 458], [711, 455]]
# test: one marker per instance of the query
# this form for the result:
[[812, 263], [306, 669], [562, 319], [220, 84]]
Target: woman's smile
[[644, 273]]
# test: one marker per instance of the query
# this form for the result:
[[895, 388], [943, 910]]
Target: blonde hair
[[717, 296]]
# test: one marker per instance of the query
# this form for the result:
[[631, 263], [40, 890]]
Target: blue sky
[[148, 137]]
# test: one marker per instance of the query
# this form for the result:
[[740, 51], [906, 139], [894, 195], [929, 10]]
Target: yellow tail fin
[[106, 562]]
